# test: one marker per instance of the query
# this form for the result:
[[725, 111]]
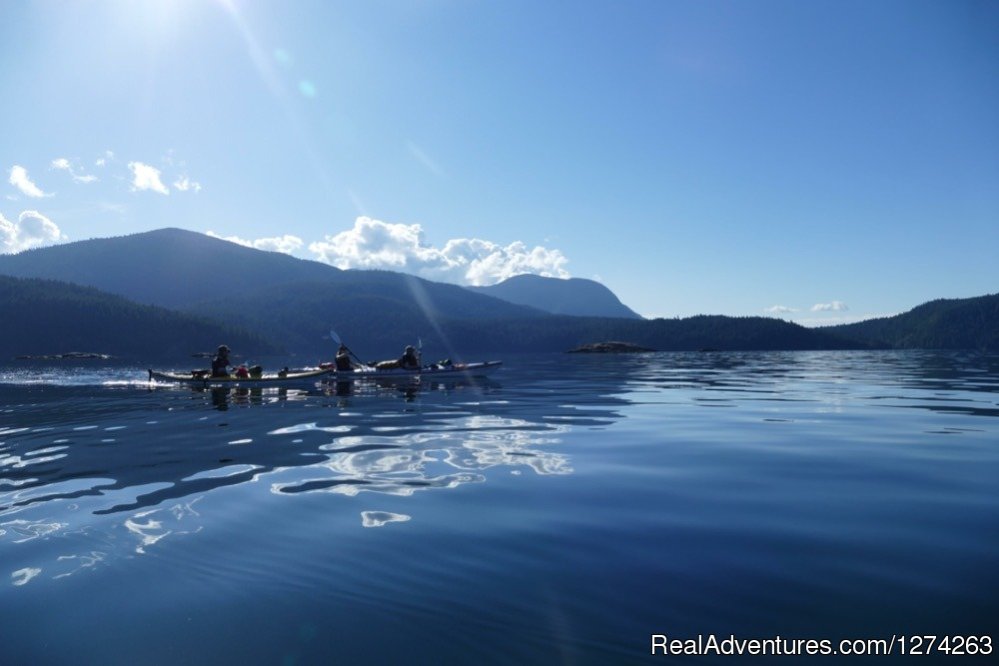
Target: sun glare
[[160, 20]]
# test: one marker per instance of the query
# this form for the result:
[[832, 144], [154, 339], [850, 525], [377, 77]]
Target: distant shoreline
[[66, 356]]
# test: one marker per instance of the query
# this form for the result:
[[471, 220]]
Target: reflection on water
[[382, 518], [153, 454], [400, 463], [153, 525]]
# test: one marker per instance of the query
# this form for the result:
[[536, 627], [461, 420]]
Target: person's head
[[343, 349], [223, 350], [410, 349]]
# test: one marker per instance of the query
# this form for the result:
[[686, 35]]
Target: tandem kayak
[[454, 370], [201, 379]]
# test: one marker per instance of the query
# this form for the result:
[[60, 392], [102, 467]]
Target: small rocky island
[[612, 347]]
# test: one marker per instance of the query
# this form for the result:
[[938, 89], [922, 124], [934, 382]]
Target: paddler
[[409, 360], [343, 362], [220, 364]]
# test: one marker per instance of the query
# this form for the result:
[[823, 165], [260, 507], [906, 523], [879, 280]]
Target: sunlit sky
[[818, 161]]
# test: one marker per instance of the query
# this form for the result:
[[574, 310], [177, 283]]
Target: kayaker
[[409, 360], [220, 364], [343, 362]]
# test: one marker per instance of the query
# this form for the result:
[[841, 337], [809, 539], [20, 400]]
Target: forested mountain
[[171, 268], [42, 317], [575, 296], [301, 316], [561, 333], [46, 317], [385, 309], [962, 323], [290, 305], [175, 268]]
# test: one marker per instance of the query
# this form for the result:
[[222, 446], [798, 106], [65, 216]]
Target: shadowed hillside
[[47, 317], [574, 296], [960, 323]]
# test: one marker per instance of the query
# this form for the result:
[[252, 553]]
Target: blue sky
[[819, 161]]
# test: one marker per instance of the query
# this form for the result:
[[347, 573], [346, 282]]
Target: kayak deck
[[199, 379], [434, 371]]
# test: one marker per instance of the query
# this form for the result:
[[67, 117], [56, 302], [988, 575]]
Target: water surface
[[561, 511]]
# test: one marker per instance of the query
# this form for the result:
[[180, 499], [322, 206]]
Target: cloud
[[102, 161], [468, 261], [779, 310], [146, 177], [286, 244], [835, 306], [63, 164], [19, 179], [183, 183], [32, 229]]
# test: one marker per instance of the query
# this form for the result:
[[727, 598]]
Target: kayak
[[436, 371], [203, 379]]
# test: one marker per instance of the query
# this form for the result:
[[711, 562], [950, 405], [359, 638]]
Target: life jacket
[[220, 366]]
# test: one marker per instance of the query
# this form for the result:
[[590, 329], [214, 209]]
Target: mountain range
[[178, 291]]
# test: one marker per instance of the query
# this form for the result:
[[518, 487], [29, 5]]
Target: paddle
[[336, 339]]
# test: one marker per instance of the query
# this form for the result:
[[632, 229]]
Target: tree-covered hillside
[[42, 317], [386, 309], [561, 333], [381, 320], [963, 323]]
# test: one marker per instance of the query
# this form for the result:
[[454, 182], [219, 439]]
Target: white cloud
[[779, 310], [286, 244], [102, 161], [146, 177], [19, 179], [63, 164], [32, 229], [468, 261], [183, 183], [835, 306]]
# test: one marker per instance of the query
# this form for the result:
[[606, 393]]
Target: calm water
[[553, 513]]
